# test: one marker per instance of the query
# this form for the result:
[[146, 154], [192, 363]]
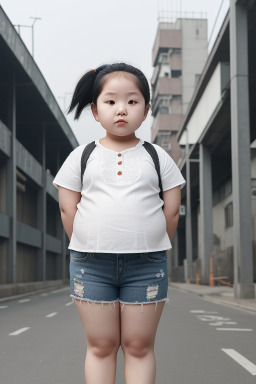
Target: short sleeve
[[170, 174], [69, 175]]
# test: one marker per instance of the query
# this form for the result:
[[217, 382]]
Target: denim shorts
[[130, 278]]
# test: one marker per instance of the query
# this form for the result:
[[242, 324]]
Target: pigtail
[[83, 93]]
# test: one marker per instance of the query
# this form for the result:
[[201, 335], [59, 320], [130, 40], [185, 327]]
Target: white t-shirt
[[120, 209]]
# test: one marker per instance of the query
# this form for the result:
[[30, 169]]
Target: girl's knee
[[103, 348], [138, 347]]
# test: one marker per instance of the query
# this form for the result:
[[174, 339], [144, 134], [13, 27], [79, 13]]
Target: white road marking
[[201, 311], [234, 329], [196, 311], [223, 323], [212, 318], [71, 302], [58, 290], [3, 306], [44, 294], [240, 359], [52, 314], [19, 331], [24, 300]]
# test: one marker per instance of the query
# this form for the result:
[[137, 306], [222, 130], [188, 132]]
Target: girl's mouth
[[121, 122]]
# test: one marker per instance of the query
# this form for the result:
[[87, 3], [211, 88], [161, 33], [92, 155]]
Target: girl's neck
[[119, 143]]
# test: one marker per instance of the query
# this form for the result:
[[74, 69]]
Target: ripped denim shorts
[[130, 278]]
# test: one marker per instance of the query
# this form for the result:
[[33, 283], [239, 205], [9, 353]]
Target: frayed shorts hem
[[89, 301]]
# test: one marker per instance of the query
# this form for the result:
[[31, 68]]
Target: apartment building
[[178, 56]]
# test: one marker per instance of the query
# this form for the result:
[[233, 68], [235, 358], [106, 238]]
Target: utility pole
[[32, 26], [32, 29]]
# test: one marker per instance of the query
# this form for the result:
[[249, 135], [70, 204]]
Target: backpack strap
[[148, 146], [85, 156], [153, 153]]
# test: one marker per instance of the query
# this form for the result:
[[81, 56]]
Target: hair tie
[[94, 70]]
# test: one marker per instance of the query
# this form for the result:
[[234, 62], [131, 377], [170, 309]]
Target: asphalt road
[[197, 342]]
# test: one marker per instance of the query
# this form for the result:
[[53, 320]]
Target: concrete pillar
[[41, 213], [175, 250], [63, 233], [11, 194], [189, 259], [241, 162], [206, 225]]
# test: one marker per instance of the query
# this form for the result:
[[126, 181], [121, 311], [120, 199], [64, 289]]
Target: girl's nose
[[121, 110]]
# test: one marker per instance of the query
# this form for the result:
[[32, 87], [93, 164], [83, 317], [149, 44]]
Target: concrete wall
[[3, 186], [26, 206], [3, 253], [176, 106], [225, 235], [175, 61], [194, 55], [223, 264], [26, 263]]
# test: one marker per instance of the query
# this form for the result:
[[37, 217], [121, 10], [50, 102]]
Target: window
[[165, 59], [166, 141], [229, 215], [176, 73], [176, 50], [176, 97], [164, 106], [163, 109]]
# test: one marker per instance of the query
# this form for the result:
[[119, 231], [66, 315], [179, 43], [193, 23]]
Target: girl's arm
[[68, 201], [172, 200]]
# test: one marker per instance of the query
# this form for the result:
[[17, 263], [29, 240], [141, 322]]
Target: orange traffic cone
[[212, 281]]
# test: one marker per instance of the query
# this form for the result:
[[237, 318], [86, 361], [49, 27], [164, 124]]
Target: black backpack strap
[[153, 153], [85, 156]]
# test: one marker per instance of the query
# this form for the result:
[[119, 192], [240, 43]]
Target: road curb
[[33, 293], [217, 298]]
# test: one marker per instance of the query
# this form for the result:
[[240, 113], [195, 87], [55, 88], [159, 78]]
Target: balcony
[[155, 74], [166, 122], [165, 39], [167, 87]]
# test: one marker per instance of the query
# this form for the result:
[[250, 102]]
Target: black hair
[[91, 84]]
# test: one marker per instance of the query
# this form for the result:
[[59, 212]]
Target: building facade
[[178, 56], [35, 139], [216, 241]]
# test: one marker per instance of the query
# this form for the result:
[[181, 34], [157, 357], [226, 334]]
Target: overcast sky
[[75, 36]]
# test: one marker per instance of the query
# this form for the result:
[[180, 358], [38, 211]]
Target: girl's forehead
[[119, 80]]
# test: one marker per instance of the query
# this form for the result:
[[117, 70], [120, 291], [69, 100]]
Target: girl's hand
[[68, 201], [172, 200]]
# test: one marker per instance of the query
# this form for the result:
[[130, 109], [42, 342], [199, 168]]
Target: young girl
[[117, 228]]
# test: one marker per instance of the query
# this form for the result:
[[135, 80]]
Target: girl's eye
[[111, 102], [132, 101]]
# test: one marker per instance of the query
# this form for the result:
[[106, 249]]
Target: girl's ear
[[94, 111], [148, 106]]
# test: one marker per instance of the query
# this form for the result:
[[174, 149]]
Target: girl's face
[[120, 99]]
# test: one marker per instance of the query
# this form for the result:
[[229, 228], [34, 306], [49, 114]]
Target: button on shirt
[[120, 209]]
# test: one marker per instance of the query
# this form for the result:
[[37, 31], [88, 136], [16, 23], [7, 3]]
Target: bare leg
[[102, 332], [138, 331]]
